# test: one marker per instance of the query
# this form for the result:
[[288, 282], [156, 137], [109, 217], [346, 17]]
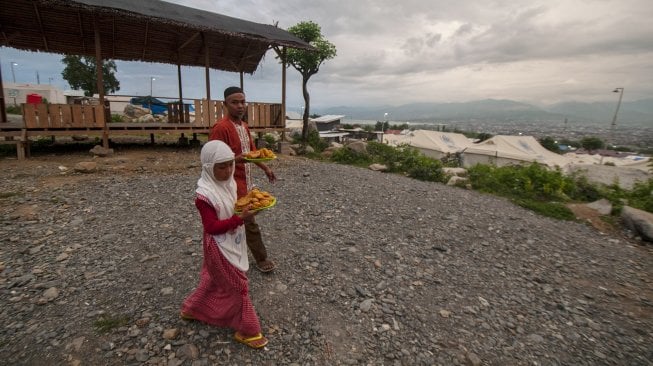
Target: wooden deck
[[69, 119]]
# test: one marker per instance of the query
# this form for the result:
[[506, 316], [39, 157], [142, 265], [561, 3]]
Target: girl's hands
[[246, 213]]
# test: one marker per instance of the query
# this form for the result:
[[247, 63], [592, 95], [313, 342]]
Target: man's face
[[236, 105]]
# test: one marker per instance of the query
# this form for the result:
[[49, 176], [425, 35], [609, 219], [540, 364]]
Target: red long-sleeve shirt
[[210, 221]]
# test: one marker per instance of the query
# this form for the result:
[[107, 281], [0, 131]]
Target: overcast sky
[[397, 52]]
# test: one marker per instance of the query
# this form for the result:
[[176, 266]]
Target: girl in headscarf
[[222, 295]]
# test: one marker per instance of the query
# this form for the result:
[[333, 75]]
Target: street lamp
[[152, 78], [614, 119], [13, 74]]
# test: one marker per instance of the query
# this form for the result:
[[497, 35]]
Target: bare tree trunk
[[307, 104]]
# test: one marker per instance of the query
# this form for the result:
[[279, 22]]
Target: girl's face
[[223, 171]]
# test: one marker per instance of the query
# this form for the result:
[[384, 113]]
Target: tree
[[591, 143], [483, 136], [550, 144], [308, 62], [80, 73]]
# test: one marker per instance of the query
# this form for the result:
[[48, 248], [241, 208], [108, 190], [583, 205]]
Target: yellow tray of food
[[263, 154], [259, 200]]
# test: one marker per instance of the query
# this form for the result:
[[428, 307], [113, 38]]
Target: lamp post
[[152, 78], [13, 74], [614, 119]]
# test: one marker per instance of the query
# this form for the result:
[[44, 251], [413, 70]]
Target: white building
[[16, 94]]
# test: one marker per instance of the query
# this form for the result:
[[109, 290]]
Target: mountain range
[[635, 113]]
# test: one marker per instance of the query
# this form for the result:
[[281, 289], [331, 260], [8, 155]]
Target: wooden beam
[[81, 30], [38, 19], [188, 41], [113, 36], [147, 30]]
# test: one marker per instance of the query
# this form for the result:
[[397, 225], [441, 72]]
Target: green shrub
[[534, 182], [641, 196], [313, 140], [351, 157], [582, 190], [270, 140], [14, 109], [403, 160], [555, 210]]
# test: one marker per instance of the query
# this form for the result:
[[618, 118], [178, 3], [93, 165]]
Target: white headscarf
[[222, 195]]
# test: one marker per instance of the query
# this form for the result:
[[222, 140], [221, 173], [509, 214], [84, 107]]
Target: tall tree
[[592, 143], [80, 73], [308, 62]]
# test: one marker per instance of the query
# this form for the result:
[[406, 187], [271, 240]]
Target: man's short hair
[[232, 90]]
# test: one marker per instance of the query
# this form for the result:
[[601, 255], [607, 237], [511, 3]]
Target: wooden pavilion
[[144, 30]]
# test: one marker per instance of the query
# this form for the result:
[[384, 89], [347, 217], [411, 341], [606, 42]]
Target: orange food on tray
[[257, 199], [263, 153]]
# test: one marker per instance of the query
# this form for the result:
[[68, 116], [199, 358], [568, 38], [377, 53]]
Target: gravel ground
[[373, 269]]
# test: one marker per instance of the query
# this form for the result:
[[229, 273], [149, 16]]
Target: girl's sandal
[[257, 341], [186, 316]]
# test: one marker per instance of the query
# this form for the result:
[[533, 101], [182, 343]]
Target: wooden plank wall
[[207, 112], [62, 116]]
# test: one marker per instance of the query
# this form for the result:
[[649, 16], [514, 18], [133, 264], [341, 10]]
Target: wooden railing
[[260, 116], [62, 116]]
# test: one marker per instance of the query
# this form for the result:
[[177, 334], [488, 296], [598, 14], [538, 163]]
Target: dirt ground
[[534, 262]]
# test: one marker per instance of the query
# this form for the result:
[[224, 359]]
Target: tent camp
[[433, 144], [627, 160], [511, 150]]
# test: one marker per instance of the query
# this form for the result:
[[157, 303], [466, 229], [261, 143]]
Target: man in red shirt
[[234, 132]]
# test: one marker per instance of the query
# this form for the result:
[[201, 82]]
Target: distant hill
[[630, 113]]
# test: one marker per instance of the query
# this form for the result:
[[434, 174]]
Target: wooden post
[[100, 85], [181, 98], [242, 82], [207, 68], [3, 110], [283, 94]]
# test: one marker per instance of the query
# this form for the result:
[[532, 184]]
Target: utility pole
[[614, 119]]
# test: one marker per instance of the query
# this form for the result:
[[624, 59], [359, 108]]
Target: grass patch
[[555, 210], [107, 323]]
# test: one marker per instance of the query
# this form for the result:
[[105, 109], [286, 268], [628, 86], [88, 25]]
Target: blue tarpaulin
[[155, 105]]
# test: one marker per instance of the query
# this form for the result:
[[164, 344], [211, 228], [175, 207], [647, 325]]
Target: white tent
[[627, 161], [511, 150], [433, 144]]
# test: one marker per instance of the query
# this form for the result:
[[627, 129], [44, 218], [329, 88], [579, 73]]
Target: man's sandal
[[266, 266], [257, 341]]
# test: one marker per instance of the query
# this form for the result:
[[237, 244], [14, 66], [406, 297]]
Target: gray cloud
[[435, 50]]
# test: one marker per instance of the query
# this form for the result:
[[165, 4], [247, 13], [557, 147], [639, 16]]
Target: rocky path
[[373, 269]]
